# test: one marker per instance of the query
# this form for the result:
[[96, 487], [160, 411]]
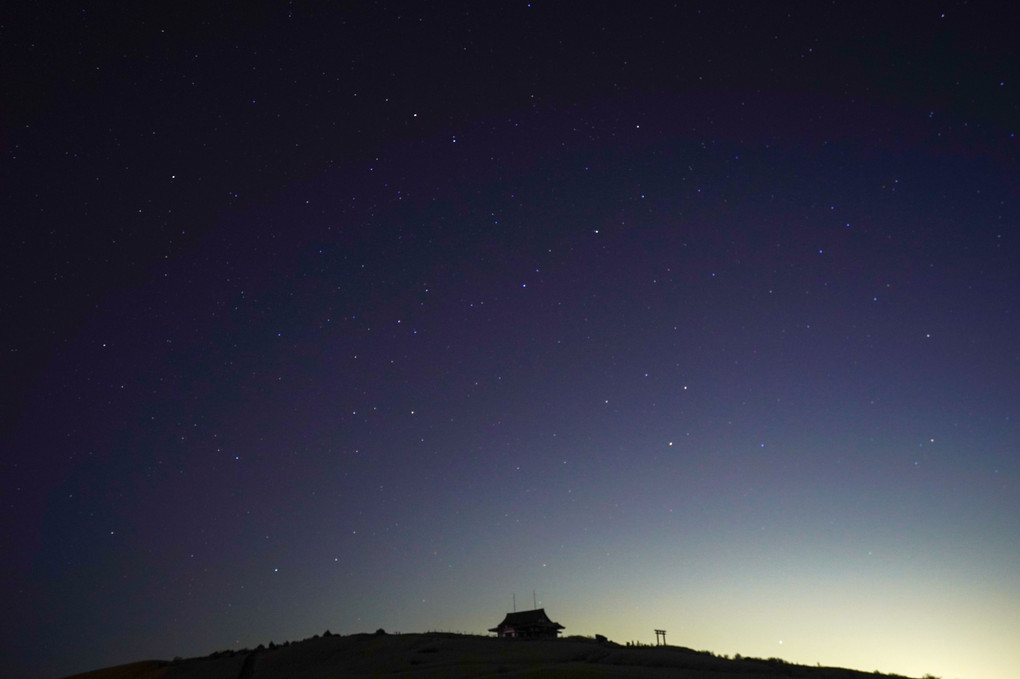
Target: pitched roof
[[532, 618]]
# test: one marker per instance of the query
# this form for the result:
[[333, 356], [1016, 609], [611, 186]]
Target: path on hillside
[[248, 668]]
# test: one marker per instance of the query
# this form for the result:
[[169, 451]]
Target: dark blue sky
[[700, 318]]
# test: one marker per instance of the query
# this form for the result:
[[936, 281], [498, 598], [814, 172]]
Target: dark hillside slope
[[438, 655]]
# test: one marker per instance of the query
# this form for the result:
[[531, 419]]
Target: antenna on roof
[[515, 602], [534, 601]]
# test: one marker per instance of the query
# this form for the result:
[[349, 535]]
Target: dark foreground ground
[[440, 655]]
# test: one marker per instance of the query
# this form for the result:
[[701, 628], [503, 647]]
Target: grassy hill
[[443, 655]]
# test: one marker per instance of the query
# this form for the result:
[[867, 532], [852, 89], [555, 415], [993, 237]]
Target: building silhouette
[[533, 624]]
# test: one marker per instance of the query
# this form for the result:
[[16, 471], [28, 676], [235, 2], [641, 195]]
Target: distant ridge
[[454, 656]]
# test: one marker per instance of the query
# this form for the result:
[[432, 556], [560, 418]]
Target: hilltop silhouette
[[447, 655]]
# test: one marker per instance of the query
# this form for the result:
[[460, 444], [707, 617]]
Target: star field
[[700, 318]]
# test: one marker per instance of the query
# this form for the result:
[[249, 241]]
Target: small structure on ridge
[[527, 625]]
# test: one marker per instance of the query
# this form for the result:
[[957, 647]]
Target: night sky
[[702, 318]]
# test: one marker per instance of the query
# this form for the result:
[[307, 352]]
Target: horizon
[[635, 644], [381, 653]]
